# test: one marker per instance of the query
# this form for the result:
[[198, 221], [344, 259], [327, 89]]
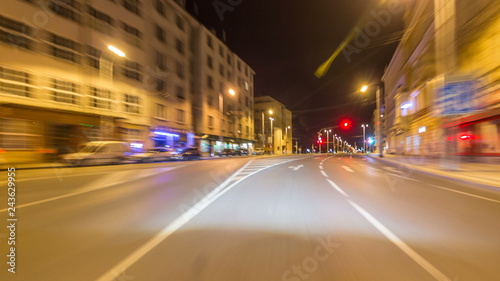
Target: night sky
[[286, 41]]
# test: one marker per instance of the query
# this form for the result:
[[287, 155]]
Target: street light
[[364, 126], [378, 116], [272, 135], [262, 128], [286, 138], [327, 140], [105, 65]]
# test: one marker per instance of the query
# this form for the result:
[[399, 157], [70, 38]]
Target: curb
[[488, 184]]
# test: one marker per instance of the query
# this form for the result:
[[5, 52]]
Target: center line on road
[[348, 169], [400, 244], [468, 194], [324, 174], [337, 188]]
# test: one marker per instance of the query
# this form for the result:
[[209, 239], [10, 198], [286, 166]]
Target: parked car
[[190, 153], [99, 153], [153, 155], [243, 152], [228, 152], [258, 151]]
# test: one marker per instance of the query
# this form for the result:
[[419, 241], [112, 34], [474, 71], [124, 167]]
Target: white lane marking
[[128, 261], [324, 174], [106, 181], [406, 178], [400, 244], [337, 187], [321, 167], [348, 169], [468, 194], [376, 169], [394, 170]]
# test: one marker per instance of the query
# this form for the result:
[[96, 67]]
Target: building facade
[[273, 126], [81, 70], [223, 91], [456, 44]]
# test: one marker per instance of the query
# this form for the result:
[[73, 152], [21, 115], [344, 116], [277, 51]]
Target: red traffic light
[[320, 140], [345, 124]]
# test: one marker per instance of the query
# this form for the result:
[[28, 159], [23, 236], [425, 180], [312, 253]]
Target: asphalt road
[[285, 218]]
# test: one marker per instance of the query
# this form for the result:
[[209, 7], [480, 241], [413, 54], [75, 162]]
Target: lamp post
[[286, 139], [221, 110], [364, 126], [262, 128], [327, 140], [272, 135], [378, 120]]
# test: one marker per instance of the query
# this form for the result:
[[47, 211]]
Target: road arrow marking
[[295, 168]]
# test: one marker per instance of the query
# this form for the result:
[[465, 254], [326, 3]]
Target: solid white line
[[348, 169], [400, 244], [468, 194], [406, 178], [321, 167], [118, 269], [324, 174], [337, 187], [109, 180]]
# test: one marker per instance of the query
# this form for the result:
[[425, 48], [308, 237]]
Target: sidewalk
[[486, 175]]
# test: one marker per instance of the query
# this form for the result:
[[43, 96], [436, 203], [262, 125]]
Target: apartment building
[[73, 71], [223, 96], [452, 49], [273, 126]]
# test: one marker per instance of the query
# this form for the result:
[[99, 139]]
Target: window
[[247, 131], [210, 41], [229, 76], [100, 98], [210, 100], [64, 48], [15, 33], [132, 35], [68, 9], [180, 92], [160, 33], [181, 116], [132, 6], [247, 86], [210, 82], [179, 22], [93, 56], [246, 71], [210, 62], [160, 61], [64, 91], [160, 111], [131, 103], [132, 70], [98, 15], [239, 66], [18, 134], [179, 70], [223, 125], [15, 82], [210, 121], [229, 60], [160, 7], [160, 85], [221, 50], [221, 69], [179, 46]]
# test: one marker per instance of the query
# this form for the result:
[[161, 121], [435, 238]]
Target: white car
[[99, 153], [258, 151], [153, 155]]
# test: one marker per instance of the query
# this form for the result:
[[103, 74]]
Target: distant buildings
[[442, 85], [273, 126], [63, 81]]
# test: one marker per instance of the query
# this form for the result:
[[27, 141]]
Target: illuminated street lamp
[[364, 126], [105, 65], [286, 138], [272, 135], [378, 120], [221, 110]]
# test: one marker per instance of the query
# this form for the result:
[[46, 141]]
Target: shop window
[[18, 134]]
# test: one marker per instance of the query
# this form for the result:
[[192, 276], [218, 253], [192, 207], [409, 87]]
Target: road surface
[[299, 217]]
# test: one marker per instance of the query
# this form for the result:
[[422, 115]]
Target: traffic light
[[320, 140], [345, 124]]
